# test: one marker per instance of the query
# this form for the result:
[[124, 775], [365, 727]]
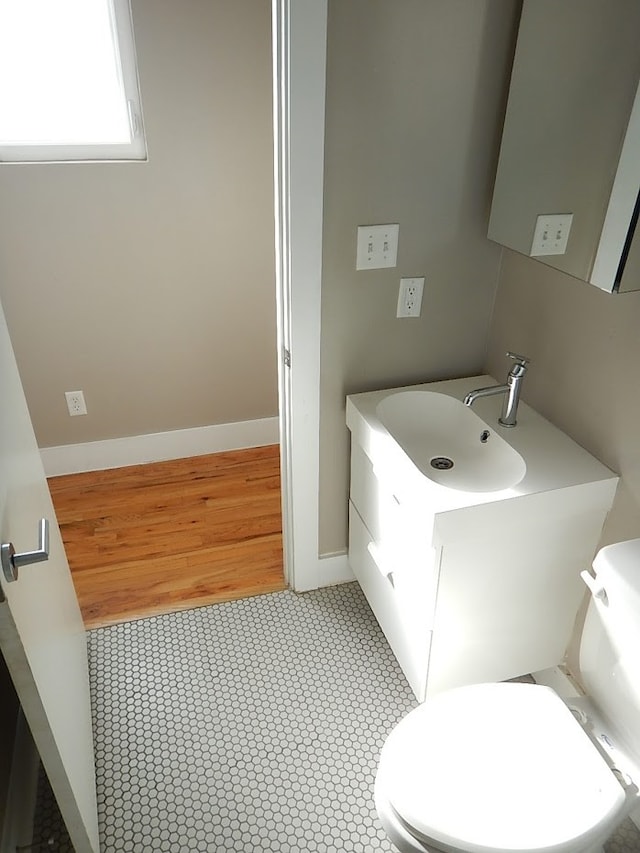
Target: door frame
[[299, 84]]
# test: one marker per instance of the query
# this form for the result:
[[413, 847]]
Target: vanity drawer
[[392, 520], [402, 600], [378, 507]]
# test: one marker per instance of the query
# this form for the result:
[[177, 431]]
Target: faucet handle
[[520, 359]]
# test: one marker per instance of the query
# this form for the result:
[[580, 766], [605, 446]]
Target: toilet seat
[[475, 768]]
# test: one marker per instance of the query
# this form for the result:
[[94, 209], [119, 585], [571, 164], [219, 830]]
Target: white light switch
[[551, 234], [377, 246]]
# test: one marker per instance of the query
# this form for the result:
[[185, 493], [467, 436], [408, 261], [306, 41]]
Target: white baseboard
[[158, 447], [335, 569], [329, 570]]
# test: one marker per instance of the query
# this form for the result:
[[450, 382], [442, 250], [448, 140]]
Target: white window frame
[[136, 149]]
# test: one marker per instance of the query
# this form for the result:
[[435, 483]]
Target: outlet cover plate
[[551, 234], [410, 297], [75, 403], [377, 246]]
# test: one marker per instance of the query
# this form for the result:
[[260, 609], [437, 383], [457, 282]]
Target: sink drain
[[442, 463]]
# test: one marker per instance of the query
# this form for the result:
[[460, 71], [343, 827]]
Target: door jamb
[[299, 84]]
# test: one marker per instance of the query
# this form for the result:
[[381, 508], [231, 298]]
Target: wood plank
[[150, 539]]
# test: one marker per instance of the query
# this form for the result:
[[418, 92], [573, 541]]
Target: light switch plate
[[551, 234], [377, 246]]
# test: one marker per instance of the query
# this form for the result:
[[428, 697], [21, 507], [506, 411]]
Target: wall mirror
[[568, 180]]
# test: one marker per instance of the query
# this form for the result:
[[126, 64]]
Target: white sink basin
[[449, 443]]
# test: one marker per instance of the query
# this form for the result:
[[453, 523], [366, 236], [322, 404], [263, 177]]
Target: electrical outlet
[[75, 403], [410, 297], [551, 234], [377, 246]]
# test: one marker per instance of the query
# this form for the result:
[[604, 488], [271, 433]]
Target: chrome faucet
[[511, 391]]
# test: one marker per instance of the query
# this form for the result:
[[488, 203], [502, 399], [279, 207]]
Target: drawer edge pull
[[381, 477], [379, 561]]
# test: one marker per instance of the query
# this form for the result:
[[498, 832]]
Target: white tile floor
[[248, 726]]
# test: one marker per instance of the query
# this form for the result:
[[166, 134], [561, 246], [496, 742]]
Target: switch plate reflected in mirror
[[571, 136]]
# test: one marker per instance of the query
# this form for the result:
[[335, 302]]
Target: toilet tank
[[610, 644]]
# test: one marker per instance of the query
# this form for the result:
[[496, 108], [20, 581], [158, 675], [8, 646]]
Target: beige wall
[[585, 350], [415, 94], [151, 286]]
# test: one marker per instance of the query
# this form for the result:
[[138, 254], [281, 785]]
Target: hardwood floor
[[167, 536]]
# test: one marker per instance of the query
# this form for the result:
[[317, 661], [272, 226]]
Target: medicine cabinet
[[569, 165]]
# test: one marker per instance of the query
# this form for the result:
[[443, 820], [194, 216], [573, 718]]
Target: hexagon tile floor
[[249, 726], [253, 725]]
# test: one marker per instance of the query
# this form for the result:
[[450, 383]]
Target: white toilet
[[513, 767]]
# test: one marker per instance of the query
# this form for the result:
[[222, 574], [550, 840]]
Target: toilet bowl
[[511, 766]]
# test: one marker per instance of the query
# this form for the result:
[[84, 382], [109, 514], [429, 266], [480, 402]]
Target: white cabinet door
[[42, 635]]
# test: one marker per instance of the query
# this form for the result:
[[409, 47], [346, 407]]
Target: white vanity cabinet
[[471, 587], [391, 554]]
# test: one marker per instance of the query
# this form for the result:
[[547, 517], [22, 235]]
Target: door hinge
[[286, 355]]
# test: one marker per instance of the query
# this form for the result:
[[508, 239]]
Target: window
[[68, 82]]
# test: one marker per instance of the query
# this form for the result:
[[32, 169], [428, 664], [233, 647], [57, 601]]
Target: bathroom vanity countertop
[[553, 460]]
